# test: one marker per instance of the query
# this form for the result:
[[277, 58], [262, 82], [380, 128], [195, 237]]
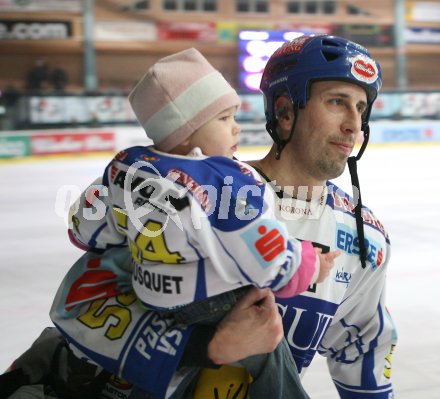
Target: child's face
[[219, 136]]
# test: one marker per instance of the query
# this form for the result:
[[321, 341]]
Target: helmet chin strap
[[352, 167]]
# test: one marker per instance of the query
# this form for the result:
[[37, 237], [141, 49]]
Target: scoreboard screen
[[254, 49]]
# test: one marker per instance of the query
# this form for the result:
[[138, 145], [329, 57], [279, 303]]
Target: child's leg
[[274, 375]]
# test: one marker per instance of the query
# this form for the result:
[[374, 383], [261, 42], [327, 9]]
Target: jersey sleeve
[[304, 275], [359, 344], [91, 224]]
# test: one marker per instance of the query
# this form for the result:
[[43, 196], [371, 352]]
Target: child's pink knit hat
[[178, 95]]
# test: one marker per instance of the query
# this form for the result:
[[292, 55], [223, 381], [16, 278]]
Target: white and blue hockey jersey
[[344, 318]]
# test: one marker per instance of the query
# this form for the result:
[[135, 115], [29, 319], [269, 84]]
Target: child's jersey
[[195, 226]]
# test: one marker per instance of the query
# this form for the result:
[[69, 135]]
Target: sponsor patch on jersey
[[347, 241], [247, 172], [119, 382], [199, 193], [345, 205], [342, 276], [265, 242], [121, 155], [112, 390], [149, 158], [113, 172], [364, 69]]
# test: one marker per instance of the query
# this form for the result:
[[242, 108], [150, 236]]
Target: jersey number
[[118, 317], [150, 244]]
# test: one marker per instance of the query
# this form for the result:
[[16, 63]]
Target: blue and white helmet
[[297, 63]]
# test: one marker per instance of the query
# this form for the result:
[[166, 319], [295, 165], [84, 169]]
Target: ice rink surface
[[400, 184]]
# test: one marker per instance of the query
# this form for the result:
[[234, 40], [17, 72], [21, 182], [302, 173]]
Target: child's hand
[[327, 261]]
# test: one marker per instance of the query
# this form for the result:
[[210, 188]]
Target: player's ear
[[284, 113]]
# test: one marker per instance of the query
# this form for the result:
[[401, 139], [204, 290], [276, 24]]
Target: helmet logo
[[364, 69], [294, 46]]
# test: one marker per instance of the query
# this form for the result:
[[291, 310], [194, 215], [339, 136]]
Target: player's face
[[219, 136], [327, 129]]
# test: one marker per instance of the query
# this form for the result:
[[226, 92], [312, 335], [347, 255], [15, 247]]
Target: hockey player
[[319, 91], [197, 223]]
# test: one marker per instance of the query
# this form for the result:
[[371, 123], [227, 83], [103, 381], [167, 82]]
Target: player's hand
[[253, 327]]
